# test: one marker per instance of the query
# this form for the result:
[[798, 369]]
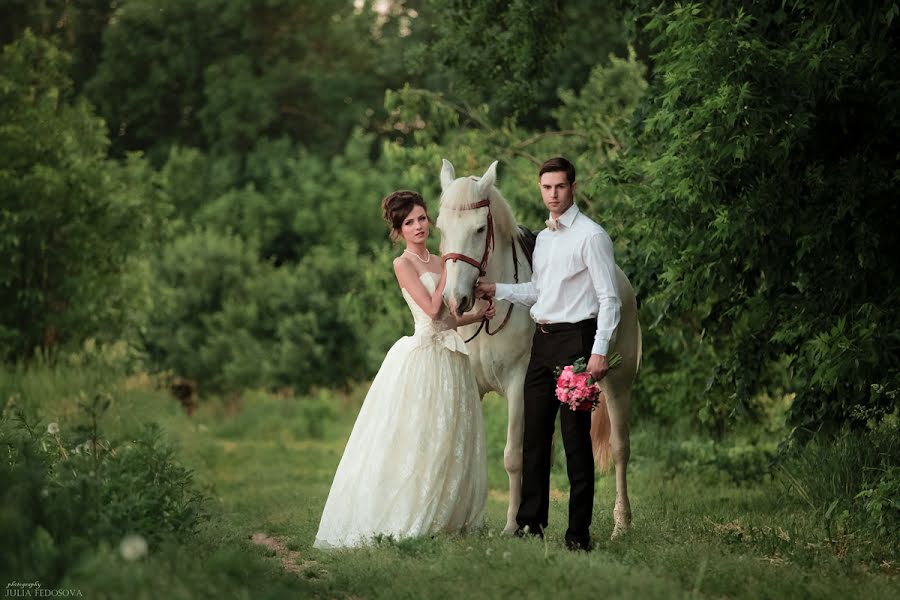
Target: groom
[[575, 303]]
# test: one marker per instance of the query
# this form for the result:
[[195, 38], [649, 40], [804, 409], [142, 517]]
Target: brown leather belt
[[560, 327]]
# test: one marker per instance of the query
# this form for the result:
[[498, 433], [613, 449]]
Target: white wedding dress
[[415, 462]]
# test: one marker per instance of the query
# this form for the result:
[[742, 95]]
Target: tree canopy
[[202, 180]]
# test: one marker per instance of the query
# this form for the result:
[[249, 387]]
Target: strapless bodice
[[438, 331]]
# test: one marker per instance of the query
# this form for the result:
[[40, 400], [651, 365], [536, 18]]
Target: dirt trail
[[290, 559]]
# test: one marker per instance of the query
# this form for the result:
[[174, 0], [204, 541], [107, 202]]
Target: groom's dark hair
[[558, 163]]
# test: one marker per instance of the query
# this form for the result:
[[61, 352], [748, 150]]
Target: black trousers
[[556, 346]]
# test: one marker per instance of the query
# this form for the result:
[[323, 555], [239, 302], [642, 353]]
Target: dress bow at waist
[[435, 333]]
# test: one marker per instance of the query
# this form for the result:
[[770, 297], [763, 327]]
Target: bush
[[764, 184], [67, 490], [852, 483], [746, 463], [72, 222], [230, 321]]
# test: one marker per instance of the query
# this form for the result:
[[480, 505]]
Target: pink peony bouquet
[[576, 389]]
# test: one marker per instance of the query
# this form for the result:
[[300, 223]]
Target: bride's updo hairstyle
[[396, 206]]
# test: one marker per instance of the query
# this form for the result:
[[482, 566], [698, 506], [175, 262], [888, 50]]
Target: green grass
[[267, 464]]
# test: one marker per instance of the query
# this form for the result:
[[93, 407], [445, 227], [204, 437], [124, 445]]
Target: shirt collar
[[568, 217]]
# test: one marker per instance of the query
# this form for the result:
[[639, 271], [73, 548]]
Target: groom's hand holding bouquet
[[577, 388]]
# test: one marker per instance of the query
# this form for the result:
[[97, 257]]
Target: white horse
[[480, 237]]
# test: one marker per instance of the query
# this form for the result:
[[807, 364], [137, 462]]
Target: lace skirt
[[415, 462]]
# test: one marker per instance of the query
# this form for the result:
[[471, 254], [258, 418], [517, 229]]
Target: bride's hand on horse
[[488, 311]]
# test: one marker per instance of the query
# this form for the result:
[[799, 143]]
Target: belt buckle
[[541, 327]]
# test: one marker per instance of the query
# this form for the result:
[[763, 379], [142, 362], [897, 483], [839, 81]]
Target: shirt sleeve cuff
[[502, 292], [600, 347]]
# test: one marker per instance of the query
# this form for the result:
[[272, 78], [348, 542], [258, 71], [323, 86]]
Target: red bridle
[[482, 266], [488, 242]]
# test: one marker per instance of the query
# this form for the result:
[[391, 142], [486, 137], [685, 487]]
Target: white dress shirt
[[574, 278]]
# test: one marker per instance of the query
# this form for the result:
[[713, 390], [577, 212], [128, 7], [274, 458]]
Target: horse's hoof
[[510, 529], [618, 532]]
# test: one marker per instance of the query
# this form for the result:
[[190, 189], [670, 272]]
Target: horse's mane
[[464, 192]]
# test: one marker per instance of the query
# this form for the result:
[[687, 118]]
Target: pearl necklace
[[424, 260]]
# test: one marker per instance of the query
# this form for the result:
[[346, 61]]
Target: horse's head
[[467, 232]]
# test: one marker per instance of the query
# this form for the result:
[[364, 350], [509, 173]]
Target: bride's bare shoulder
[[404, 270], [401, 262]]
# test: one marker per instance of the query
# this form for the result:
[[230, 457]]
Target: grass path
[[696, 534]]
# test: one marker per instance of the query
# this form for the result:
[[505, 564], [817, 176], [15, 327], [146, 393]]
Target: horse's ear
[[488, 179], [448, 174]]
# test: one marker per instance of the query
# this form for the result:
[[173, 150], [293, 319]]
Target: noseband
[[488, 242], [482, 266]]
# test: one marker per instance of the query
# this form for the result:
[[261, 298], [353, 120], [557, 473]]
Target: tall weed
[[852, 484]]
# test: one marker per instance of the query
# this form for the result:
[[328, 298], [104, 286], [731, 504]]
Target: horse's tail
[[600, 430]]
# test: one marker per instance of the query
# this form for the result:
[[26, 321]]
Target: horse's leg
[[512, 453], [618, 400]]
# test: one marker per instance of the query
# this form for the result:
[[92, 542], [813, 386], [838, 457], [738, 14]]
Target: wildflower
[[53, 428], [133, 547], [507, 555]]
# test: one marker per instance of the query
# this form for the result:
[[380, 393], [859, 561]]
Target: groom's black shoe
[[578, 545], [529, 531]]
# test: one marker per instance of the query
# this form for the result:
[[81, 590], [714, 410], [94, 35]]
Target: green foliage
[[288, 418], [197, 276], [602, 110], [230, 321], [482, 42], [221, 74], [746, 171], [882, 503], [74, 27], [743, 464], [72, 221], [269, 292], [766, 213], [69, 490], [512, 57], [471, 138], [288, 200], [377, 306], [697, 534], [191, 179], [853, 485]]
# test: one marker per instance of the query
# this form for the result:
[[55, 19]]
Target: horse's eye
[[480, 229]]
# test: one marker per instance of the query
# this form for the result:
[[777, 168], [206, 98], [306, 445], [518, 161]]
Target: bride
[[415, 462]]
